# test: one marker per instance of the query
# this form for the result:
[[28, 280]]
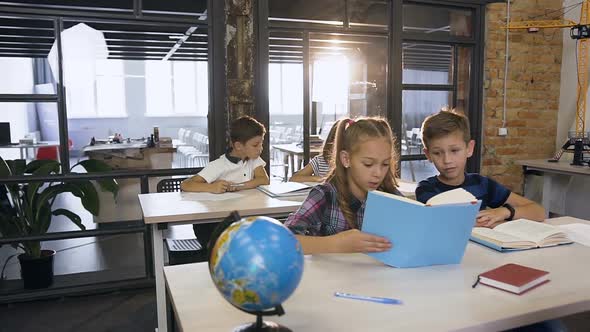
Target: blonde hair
[[328, 146], [349, 135], [444, 123]]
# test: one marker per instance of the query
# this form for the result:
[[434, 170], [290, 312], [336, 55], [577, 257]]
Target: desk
[[161, 209], [436, 298], [127, 156], [556, 179], [24, 148], [294, 153]]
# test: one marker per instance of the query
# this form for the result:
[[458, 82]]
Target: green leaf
[[51, 192], [90, 199], [4, 169], [45, 168], [71, 215], [93, 166], [17, 166], [43, 219], [34, 165], [8, 226]]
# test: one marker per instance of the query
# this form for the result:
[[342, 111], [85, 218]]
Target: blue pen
[[383, 300]]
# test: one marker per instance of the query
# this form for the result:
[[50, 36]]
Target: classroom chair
[[50, 152]]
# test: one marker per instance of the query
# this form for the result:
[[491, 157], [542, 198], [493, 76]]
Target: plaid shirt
[[320, 214]]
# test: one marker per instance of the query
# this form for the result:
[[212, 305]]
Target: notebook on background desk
[[285, 189]]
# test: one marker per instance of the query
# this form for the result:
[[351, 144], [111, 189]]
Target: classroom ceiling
[[126, 39], [21, 37]]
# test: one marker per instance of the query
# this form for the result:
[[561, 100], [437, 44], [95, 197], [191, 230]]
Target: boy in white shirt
[[238, 169]]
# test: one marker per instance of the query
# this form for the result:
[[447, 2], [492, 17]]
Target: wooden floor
[[115, 312]]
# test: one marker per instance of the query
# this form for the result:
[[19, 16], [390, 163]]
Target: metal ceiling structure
[[133, 30], [287, 47]]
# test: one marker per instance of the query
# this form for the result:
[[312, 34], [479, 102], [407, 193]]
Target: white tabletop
[[436, 298], [32, 145], [562, 166], [181, 207]]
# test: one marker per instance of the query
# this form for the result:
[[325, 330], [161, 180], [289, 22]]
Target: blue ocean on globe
[[256, 263]]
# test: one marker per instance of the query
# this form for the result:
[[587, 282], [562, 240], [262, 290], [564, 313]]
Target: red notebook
[[514, 278]]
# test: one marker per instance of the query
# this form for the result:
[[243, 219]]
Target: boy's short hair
[[244, 129], [443, 124]]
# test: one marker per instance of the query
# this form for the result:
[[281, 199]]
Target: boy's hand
[[220, 186], [356, 241], [235, 186], [491, 218]]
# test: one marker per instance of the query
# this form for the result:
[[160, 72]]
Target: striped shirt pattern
[[320, 166]]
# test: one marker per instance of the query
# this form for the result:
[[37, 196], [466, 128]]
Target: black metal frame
[[217, 124], [12, 291], [261, 72], [305, 32], [396, 38], [454, 42]]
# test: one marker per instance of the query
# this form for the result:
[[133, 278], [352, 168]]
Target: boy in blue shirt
[[448, 144]]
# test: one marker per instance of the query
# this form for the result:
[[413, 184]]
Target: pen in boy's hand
[[236, 185], [383, 300]]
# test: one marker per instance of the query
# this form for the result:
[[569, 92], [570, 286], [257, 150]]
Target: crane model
[[578, 142]]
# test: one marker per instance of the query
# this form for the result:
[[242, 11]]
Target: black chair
[[181, 251], [169, 185]]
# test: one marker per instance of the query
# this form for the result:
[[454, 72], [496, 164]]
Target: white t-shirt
[[236, 171]]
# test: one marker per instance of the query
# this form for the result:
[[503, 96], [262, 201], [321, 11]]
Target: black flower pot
[[37, 272]]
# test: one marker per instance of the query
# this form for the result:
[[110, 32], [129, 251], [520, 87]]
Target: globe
[[256, 263]]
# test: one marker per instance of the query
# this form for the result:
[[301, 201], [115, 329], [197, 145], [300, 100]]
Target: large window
[[68, 108], [436, 74], [286, 88], [352, 63], [322, 75], [176, 88], [95, 89]]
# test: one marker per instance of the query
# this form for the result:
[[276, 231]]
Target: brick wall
[[532, 91]]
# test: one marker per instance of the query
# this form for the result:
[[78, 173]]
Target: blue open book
[[421, 234]]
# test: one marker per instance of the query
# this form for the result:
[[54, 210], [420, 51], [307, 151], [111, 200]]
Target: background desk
[[564, 191], [24, 148], [127, 156], [293, 156], [437, 298], [161, 209]]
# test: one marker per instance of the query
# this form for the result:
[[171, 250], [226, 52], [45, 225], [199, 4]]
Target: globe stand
[[264, 326]]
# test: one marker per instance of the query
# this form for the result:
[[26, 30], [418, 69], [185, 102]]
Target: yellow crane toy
[[578, 141]]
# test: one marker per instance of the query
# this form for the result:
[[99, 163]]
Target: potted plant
[[27, 209]]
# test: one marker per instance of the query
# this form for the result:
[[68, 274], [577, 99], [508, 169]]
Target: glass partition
[[29, 131], [437, 21], [141, 100]]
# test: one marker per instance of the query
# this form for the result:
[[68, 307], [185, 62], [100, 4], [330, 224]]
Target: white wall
[[17, 78]]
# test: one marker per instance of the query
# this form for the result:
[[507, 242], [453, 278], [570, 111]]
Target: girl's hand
[[356, 241], [492, 217]]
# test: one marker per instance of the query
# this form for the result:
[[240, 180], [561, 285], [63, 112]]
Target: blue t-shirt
[[491, 193]]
